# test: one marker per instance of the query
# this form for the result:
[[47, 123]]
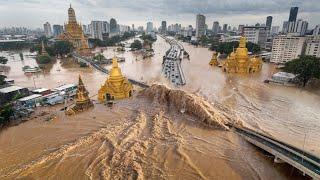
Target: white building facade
[[96, 29], [200, 25], [47, 29], [286, 48], [313, 46], [257, 34]]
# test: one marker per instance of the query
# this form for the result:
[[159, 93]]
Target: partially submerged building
[[82, 100], [8, 94]]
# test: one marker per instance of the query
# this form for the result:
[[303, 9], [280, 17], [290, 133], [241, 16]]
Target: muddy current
[[146, 137], [165, 133]]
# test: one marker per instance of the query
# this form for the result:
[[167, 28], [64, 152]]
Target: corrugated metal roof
[[33, 96], [10, 89], [63, 87]]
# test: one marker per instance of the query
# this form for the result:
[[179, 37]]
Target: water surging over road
[[140, 138]]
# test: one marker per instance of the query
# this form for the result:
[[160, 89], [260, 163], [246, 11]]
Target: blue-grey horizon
[[34, 13]]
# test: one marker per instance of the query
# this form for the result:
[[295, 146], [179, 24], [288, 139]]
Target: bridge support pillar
[[278, 160]]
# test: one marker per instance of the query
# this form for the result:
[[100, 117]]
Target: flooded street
[[140, 139]]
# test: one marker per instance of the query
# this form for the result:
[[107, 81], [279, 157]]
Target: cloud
[[35, 12]]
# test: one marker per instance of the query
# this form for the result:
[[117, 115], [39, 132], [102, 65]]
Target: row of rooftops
[[37, 93]]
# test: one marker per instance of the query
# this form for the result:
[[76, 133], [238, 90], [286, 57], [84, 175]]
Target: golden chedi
[[116, 86], [74, 34], [82, 100], [240, 62], [214, 60]]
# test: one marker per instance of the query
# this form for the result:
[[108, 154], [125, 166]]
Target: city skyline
[[232, 12]]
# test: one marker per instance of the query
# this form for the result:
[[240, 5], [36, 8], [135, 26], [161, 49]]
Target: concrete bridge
[[171, 66], [305, 162], [91, 63]]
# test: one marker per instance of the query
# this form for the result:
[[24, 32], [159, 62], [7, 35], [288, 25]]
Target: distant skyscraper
[[293, 14], [47, 29], [200, 25], [105, 27], [298, 28], [225, 28], [96, 29], [275, 30], [269, 22], [316, 31], [256, 34], [133, 29], [113, 26], [215, 27], [57, 30], [163, 27], [149, 27]]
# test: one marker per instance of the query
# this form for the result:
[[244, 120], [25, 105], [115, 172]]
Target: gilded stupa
[[116, 86], [214, 60], [240, 62], [82, 100], [74, 34]]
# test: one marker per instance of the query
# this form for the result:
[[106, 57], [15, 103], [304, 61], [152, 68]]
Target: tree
[[305, 67], [3, 60], [2, 78], [5, 113], [44, 59], [99, 57], [136, 45], [62, 48], [228, 47]]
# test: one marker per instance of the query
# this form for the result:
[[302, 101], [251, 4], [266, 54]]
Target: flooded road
[[182, 148]]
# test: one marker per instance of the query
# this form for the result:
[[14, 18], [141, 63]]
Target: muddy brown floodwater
[[150, 138]]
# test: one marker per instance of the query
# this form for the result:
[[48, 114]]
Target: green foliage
[[204, 40], [99, 57], [3, 60], [58, 48], [44, 59], [227, 47], [7, 46], [136, 45], [5, 113], [83, 65], [306, 68], [145, 37], [2, 78], [112, 41], [61, 48], [40, 39]]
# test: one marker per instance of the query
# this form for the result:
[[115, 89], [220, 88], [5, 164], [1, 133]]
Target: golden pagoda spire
[[82, 101], [214, 60], [116, 86], [242, 42]]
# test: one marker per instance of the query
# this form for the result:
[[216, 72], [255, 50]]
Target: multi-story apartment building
[[257, 34], [313, 46], [286, 48]]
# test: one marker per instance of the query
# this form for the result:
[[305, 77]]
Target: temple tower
[[116, 86], [82, 100]]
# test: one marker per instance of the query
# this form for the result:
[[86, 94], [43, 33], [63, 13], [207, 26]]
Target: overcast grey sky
[[34, 13]]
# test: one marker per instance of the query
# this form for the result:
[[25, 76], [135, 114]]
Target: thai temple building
[[74, 34], [240, 62], [214, 60], [82, 100], [116, 86]]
